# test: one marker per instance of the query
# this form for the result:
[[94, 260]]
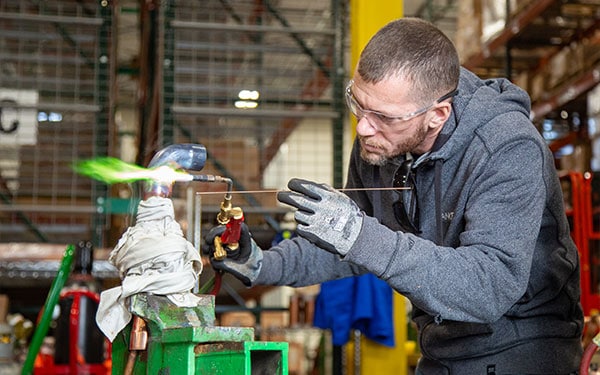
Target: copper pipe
[[138, 341]]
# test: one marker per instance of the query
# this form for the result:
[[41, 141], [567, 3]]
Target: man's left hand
[[326, 217]]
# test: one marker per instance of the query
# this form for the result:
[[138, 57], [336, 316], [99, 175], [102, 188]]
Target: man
[[452, 198]]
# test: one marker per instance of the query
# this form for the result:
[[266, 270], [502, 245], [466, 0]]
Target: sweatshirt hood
[[478, 102]]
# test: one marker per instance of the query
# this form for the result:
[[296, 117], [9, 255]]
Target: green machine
[[185, 340]]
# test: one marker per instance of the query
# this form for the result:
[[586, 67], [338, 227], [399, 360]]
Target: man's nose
[[364, 127]]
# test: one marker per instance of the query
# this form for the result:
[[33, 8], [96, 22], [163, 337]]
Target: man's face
[[390, 123]]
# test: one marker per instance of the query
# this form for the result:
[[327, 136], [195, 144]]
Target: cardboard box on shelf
[[274, 319], [237, 319]]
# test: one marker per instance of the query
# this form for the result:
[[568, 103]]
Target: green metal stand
[[185, 340], [51, 302]]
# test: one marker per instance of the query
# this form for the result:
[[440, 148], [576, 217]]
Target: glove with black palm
[[244, 262]]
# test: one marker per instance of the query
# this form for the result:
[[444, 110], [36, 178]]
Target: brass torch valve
[[232, 218]]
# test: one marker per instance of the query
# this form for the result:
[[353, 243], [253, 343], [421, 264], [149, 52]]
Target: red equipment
[[76, 358]]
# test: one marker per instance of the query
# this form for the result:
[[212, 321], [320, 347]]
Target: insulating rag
[[152, 257]]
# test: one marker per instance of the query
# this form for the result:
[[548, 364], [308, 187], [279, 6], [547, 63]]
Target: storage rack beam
[[512, 29]]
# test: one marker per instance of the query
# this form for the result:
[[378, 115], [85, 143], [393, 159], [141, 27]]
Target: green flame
[[111, 170]]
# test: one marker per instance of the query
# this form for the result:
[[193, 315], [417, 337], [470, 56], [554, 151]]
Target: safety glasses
[[383, 121]]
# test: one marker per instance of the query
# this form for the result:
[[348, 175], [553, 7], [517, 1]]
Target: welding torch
[[192, 157], [232, 218]]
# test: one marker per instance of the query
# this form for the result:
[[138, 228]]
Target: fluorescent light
[[248, 95], [54, 117], [245, 104]]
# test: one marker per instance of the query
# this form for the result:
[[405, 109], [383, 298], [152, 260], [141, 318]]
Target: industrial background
[[260, 84]]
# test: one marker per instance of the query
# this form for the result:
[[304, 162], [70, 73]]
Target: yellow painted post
[[366, 18], [379, 359]]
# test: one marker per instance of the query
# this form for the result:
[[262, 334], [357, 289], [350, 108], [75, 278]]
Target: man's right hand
[[244, 262]]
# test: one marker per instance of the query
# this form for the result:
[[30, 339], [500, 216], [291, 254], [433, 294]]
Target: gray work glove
[[244, 262], [326, 217]]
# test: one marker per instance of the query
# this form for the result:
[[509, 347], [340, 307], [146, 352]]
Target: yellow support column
[[366, 18], [379, 359]]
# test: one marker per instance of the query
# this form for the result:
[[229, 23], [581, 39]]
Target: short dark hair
[[415, 50]]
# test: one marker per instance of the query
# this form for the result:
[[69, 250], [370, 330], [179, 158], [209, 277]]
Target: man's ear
[[439, 114]]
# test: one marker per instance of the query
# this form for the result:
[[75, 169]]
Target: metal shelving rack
[[534, 36], [88, 60], [54, 77]]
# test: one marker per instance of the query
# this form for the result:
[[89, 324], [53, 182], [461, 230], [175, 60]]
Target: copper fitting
[[138, 339]]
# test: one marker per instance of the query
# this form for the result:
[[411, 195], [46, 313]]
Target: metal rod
[[240, 47], [197, 231], [277, 191], [82, 209], [250, 28], [75, 107], [47, 18], [357, 351], [189, 210], [296, 112]]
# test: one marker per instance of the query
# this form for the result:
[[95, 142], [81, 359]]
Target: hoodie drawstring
[[439, 228], [437, 184]]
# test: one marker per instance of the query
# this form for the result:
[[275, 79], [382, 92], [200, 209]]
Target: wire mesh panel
[[53, 94], [242, 76]]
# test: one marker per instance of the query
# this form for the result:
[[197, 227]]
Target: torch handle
[[232, 218], [233, 230], [231, 234]]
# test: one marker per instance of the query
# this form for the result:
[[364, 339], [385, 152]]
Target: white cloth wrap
[[152, 257]]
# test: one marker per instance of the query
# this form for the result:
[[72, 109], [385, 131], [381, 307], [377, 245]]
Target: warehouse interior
[[259, 84]]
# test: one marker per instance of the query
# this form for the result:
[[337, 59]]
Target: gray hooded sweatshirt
[[494, 274]]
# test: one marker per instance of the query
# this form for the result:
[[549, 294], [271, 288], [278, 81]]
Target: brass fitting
[[224, 214], [224, 217], [220, 252]]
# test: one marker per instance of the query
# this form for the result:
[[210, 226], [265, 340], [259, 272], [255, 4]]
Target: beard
[[403, 146]]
